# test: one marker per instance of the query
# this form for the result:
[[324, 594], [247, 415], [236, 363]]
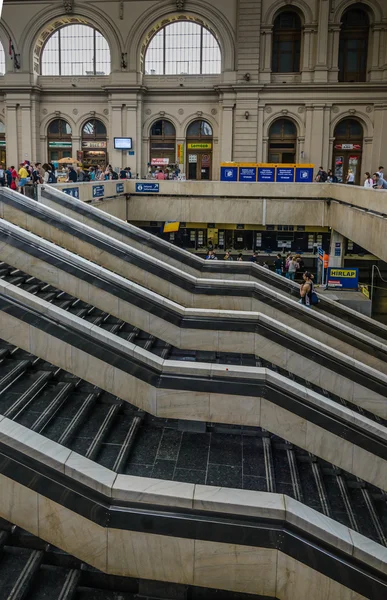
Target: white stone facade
[[240, 104]]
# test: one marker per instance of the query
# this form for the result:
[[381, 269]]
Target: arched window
[[94, 143], [76, 50], [199, 150], [354, 45], [348, 146], [2, 60], [59, 140], [162, 143], [282, 142], [286, 43], [183, 48]]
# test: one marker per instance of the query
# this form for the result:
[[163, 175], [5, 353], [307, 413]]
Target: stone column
[[337, 250], [137, 143], [11, 135], [26, 138], [321, 67], [366, 158], [265, 149], [76, 142], [317, 135], [376, 69], [265, 74], [334, 53], [261, 157], [115, 156], [379, 146], [226, 136], [307, 73]]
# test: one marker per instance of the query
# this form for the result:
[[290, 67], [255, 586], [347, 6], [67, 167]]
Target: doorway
[[199, 151], [283, 142], [347, 154], [59, 140]]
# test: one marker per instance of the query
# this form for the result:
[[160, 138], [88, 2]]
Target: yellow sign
[[365, 291], [343, 273], [180, 154], [200, 146]]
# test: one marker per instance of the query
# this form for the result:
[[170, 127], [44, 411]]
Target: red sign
[[160, 162], [347, 147]]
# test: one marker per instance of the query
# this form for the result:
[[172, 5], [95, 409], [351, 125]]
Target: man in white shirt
[[2, 176]]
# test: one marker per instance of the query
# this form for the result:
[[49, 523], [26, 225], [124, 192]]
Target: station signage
[[285, 175], [98, 191], [94, 144], [304, 174], [343, 278], [143, 188], [73, 191], [266, 174], [229, 173], [119, 188], [160, 162], [248, 174]]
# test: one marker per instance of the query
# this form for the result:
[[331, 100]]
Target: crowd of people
[[375, 181], [29, 173]]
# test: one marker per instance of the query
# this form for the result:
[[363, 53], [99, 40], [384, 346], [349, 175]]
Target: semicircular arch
[[372, 7], [279, 117], [45, 23], [153, 20], [363, 119], [298, 6]]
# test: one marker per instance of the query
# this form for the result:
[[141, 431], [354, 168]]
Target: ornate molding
[[180, 4], [68, 6]]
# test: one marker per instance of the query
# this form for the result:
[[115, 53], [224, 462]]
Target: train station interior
[[182, 415]]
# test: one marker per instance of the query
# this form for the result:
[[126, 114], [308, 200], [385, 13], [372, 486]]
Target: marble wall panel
[[19, 505]]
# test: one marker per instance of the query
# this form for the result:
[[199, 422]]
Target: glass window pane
[[2, 128], [76, 50], [157, 128], [2, 60], [206, 128], [183, 48], [169, 128], [54, 127]]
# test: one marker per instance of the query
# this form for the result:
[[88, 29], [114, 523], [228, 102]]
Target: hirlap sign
[[147, 187], [343, 278]]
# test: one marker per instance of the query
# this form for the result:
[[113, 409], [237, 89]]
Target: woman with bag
[[308, 295]]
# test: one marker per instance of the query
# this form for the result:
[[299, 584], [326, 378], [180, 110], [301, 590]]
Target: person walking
[[23, 176], [307, 293]]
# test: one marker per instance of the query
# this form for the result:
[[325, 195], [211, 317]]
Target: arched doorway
[[347, 152], [283, 142], [3, 154], [59, 140], [162, 144], [94, 144], [286, 43], [199, 150], [353, 46]]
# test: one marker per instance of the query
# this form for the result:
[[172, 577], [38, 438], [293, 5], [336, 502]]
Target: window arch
[[353, 48], [183, 47], [94, 129], [199, 129], [282, 141], [348, 147], [59, 140], [286, 43], [76, 50], [2, 60], [162, 143]]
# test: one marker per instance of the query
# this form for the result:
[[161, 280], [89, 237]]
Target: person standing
[[368, 182], [350, 178], [240, 257], [2, 175], [8, 176], [292, 268], [278, 264], [307, 290], [380, 183], [23, 176], [71, 175]]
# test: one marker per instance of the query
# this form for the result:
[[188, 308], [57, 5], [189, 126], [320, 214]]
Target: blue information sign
[[266, 174], [304, 175], [98, 191], [285, 174], [343, 278], [248, 174], [147, 187], [229, 174], [120, 188], [74, 192]]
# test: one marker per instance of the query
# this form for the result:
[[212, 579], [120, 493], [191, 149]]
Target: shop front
[[199, 151], [94, 144], [347, 152], [59, 141]]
